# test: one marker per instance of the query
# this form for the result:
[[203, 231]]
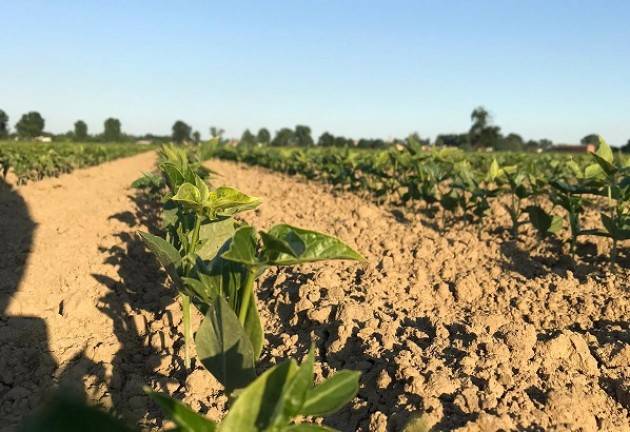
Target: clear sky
[[545, 69]]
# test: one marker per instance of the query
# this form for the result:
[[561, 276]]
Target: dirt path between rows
[[471, 331], [56, 236]]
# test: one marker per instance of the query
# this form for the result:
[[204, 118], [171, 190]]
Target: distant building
[[44, 139], [571, 148], [144, 141]]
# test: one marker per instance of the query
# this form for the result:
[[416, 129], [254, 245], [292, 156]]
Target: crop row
[[213, 261], [549, 191], [31, 161]]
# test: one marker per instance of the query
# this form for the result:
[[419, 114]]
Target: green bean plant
[[614, 177], [276, 401], [214, 260]]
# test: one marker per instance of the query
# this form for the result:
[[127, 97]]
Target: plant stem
[[613, 255], [187, 332], [195, 235], [246, 295]]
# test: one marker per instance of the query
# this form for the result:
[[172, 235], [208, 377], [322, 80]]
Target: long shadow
[[26, 365], [138, 304]]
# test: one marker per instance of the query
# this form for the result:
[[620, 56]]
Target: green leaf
[[166, 254], [494, 171], [174, 177], [332, 394], [242, 248], [545, 223], [229, 201], [64, 414], [275, 244], [253, 327], [317, 246], [416, 424], [294, 393], [604, 151], [255, 405], [224, 348], [184, 417], [213, 236], [189, 196]]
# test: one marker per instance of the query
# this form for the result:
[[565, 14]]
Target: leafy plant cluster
[[31, 161], [548, 191], [213, 261]]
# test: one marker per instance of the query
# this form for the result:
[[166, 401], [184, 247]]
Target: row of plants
[[32, 161], [213, 261], [549, 191]]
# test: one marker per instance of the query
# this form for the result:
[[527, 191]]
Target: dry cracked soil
[[471, 329]]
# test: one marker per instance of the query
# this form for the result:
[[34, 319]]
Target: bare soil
[[474, 330]]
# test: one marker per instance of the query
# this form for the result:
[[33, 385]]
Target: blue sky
[[545, 69]]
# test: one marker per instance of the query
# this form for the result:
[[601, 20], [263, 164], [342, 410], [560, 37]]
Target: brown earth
[[474, 330]]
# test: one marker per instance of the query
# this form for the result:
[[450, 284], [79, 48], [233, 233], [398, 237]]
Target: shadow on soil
[[134, 303], [26, 365]]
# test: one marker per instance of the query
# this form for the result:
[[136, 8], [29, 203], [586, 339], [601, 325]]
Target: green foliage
[[31, 125], [263, 137], [181, 132], [247, 139], [80, 130], [284, 137], [213, 261], [273, 402], [31, 161], [4, 125], [467, 183], [112, 130]]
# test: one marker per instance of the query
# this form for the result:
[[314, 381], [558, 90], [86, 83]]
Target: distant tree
[[112, 130], [284, 137], [263, 137], [216, 132], [4, 125], [31, 125], [247, 139], [590, 139], [326, 140], [512, 142], [303, 136], [452, 140], [181, 132], [80, 130], [343, 142], [545, 144], [481, 133], [626, 148], [371, 143], [196, 137]]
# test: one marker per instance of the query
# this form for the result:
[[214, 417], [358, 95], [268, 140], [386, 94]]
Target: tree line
[[483, 134]]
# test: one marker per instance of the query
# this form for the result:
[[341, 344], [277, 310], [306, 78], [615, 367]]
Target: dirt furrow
[[56, 270]]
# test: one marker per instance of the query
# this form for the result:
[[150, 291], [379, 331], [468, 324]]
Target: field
[[33, 161], [489, 294]]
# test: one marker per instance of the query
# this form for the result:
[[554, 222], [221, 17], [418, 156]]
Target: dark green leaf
[[166, 254], [63, 414], [242, 248], [224, 348], [317, 246], [332, 394], [184, 417], [294, 392], [254, 406], [213, 236]]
